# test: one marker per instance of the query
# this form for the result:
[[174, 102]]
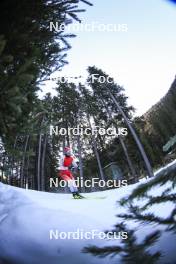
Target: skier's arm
[[74, 164], [61, 164]]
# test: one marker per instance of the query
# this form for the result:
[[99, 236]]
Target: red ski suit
[[64, 171]]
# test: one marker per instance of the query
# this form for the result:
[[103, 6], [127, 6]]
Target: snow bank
[[27, 217]]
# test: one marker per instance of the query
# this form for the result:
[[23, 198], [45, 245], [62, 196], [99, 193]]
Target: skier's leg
[[74, 190], [72, 186], [68, 176]]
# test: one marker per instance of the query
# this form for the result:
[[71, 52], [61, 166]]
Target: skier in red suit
[[66, 162]]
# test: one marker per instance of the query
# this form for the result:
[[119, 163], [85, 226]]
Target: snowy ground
[[27, 217]]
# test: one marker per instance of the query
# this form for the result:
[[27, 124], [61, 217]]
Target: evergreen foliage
[[137, 204]]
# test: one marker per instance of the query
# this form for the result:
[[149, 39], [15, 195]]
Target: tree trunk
[[43, 163], [96, 152], [39, 163], [23, 163], [140, 147], [81, 173], [67, 135], [10, 181], [130, 164], [27, 173], [133, 172]]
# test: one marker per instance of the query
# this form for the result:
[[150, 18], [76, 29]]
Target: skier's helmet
[[67, 151]]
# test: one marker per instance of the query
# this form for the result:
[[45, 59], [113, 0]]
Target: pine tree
[[130, 250]]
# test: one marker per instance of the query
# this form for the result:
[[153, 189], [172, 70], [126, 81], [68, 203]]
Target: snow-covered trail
[[27, 217]]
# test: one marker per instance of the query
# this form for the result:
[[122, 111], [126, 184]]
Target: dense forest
[[29, 54], [95, 119]]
